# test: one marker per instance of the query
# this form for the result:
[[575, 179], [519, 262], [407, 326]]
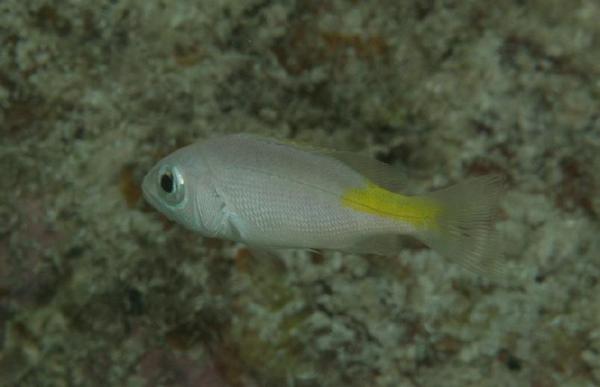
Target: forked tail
[[464, 228]]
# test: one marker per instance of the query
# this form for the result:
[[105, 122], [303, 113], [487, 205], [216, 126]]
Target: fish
[[277, 194]]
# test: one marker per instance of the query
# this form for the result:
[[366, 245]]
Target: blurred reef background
[[97, 289]]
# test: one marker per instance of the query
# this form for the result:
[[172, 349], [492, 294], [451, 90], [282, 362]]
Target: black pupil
[[166, 182]]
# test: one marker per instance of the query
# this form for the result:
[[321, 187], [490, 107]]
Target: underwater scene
[[300, 193]]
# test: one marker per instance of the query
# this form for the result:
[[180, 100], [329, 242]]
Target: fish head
[[181, 187]]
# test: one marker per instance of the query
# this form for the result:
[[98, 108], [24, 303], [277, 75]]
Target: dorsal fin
[[378, 172], [382, 174]]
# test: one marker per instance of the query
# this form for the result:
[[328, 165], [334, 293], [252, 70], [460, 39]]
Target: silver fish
[[276, 194]]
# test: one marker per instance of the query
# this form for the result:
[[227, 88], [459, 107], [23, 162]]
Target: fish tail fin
[[463, 230]]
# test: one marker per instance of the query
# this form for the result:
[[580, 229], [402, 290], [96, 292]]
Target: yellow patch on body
[[372, 199]]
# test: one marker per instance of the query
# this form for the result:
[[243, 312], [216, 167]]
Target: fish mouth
[[148, 187]]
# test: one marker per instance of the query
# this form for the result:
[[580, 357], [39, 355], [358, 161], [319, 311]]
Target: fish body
[[275, 194]]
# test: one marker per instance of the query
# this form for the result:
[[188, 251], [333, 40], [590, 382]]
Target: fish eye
[[166, 182], [171, 185]]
